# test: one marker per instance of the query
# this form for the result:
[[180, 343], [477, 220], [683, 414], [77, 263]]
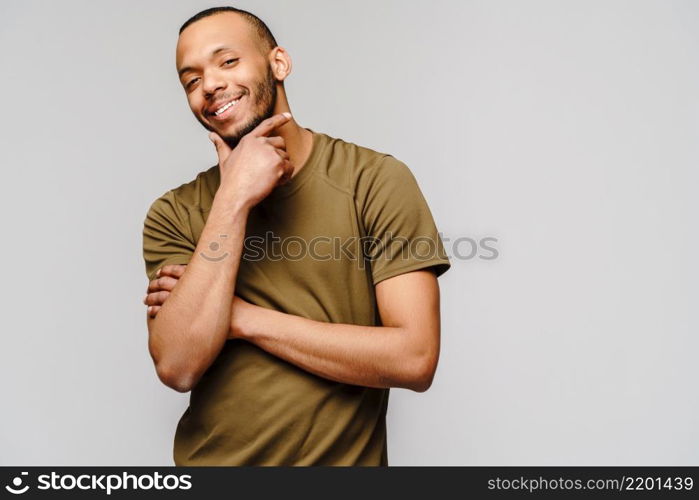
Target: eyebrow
[[213, 53]]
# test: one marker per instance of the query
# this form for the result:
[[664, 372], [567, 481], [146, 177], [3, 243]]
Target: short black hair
[[263, 32]]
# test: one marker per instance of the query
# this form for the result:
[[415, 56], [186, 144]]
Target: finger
[[276, 141], [222, 149], [153, 310], [270, 124], [287, 173], [174, 270], [284, 155], [156, 298], [163, 283]]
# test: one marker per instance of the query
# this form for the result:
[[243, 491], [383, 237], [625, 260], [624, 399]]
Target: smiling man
[[289, 352]]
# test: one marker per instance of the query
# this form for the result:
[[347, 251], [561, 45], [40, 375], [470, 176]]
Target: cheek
[[195, 104]]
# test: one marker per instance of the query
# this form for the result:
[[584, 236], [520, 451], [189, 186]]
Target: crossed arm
[[402, 353]]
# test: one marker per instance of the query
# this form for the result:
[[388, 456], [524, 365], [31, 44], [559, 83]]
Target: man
[[289, 358]]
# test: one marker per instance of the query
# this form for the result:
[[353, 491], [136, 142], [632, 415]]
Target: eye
[[189, 83]]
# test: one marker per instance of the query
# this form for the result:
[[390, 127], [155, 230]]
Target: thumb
[[222, 149]]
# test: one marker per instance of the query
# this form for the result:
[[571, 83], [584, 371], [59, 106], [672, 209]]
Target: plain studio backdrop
[[567, 131]]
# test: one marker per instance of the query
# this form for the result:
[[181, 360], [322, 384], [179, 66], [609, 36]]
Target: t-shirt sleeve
[[167, 238], [401, 235]]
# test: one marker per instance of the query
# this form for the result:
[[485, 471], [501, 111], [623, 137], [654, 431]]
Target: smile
[[225, 110]]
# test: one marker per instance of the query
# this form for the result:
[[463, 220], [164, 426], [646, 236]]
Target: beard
[[265, 95]]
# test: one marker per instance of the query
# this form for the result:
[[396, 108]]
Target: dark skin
[[409, 309], [193, 309]]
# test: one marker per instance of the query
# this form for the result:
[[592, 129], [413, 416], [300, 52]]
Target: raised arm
[[190, 329]]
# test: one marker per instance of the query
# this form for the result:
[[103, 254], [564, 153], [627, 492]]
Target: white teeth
[[226, 106]]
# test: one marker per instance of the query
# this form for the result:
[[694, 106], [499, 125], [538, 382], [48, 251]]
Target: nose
[[211, 82]]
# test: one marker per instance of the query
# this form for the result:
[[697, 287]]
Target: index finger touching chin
[[271, 123]]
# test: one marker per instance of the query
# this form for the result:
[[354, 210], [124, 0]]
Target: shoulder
[[357, 168], [196, 193]]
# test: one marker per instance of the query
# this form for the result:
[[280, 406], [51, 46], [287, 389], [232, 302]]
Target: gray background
[[566, 130]]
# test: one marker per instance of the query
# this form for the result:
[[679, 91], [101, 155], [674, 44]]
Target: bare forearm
[[372, 356], [192, 326]]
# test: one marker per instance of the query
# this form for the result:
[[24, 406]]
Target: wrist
[[244, 318], [237, 330]]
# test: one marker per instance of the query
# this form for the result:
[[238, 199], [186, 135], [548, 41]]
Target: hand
[[256, 165], [168, 276], [159, 289]]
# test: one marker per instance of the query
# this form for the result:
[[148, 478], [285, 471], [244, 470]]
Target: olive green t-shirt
[[315, 247]]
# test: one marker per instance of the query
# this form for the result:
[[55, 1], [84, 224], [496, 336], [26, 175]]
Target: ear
[[280, 62]]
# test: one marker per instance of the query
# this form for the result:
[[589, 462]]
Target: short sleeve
[[166, 235], [401, 235]]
